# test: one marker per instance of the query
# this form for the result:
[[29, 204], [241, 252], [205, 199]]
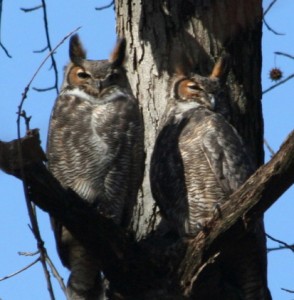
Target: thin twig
[[284, 54], [27, 119], [21, 270], [44, 89], [30, 208], [28, 253], [269, 7], [269, 148], [41, 51], [1, 45], [105, 6], [35, 229], [271, 29], [290, 247], [286, 290], [201, 268], [279, 83], [54, 65], [24, 95], [56, 274], [26, 10], [5, 50], [279, 248], [264, 21], [44, 256]]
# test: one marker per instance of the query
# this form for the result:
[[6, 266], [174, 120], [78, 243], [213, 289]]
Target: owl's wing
[[127, 137], [231, 165], [226, 154], [167, 174]]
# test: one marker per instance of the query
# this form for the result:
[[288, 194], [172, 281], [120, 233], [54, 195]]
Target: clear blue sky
[[23, 33]]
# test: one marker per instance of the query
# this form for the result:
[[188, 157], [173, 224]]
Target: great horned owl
[[95, 148], [198, 160]]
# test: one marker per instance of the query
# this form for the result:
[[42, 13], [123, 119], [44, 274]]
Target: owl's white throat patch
[[107, 97], [184, 106], [76, 92]]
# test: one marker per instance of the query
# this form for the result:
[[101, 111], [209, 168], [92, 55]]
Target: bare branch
[[271, 29], [25, 92], [201, 268], [44, 89], [264, 21], [270, 149], [5, 50], [284, 54], [54, 65], [26, 10], [41, 51], [30, 208], [286, 246], [1, 45], [279, 83], [49, 45], [35, 228], [116, 248], [27, 119], [279, 248], [21, 270], [119, 255], [269, 7], [251, 200], [286, 290], [44, 257], [32, 153], [56, 274], [28, 253], [105, 6]]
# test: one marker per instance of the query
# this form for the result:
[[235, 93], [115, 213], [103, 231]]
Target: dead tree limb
[[123, 258], [249, 202]]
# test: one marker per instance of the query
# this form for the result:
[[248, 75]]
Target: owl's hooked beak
[[99, 85], [212, 101]]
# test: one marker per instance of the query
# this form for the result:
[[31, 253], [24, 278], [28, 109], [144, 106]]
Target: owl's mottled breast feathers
[[95, 148]]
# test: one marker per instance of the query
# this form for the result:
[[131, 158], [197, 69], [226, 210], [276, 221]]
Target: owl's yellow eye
[[194, 86], [83, 75]]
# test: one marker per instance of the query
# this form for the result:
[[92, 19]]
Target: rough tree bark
[[203, 30], [149, 266]]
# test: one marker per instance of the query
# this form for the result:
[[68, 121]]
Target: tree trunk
[[162, 35], [156, 31]]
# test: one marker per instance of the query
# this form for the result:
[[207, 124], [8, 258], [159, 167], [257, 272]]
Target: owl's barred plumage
[[95, 148], [197, 163], [198, 160]]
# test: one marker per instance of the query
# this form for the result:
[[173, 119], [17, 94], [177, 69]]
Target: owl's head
[[196, 90], [96, 76]]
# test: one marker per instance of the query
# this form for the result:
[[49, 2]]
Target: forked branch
[[249, 202], [114, 246]]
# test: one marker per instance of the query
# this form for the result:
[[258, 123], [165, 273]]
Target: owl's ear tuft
[[221, 68], [118, 54], [76, 50]]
